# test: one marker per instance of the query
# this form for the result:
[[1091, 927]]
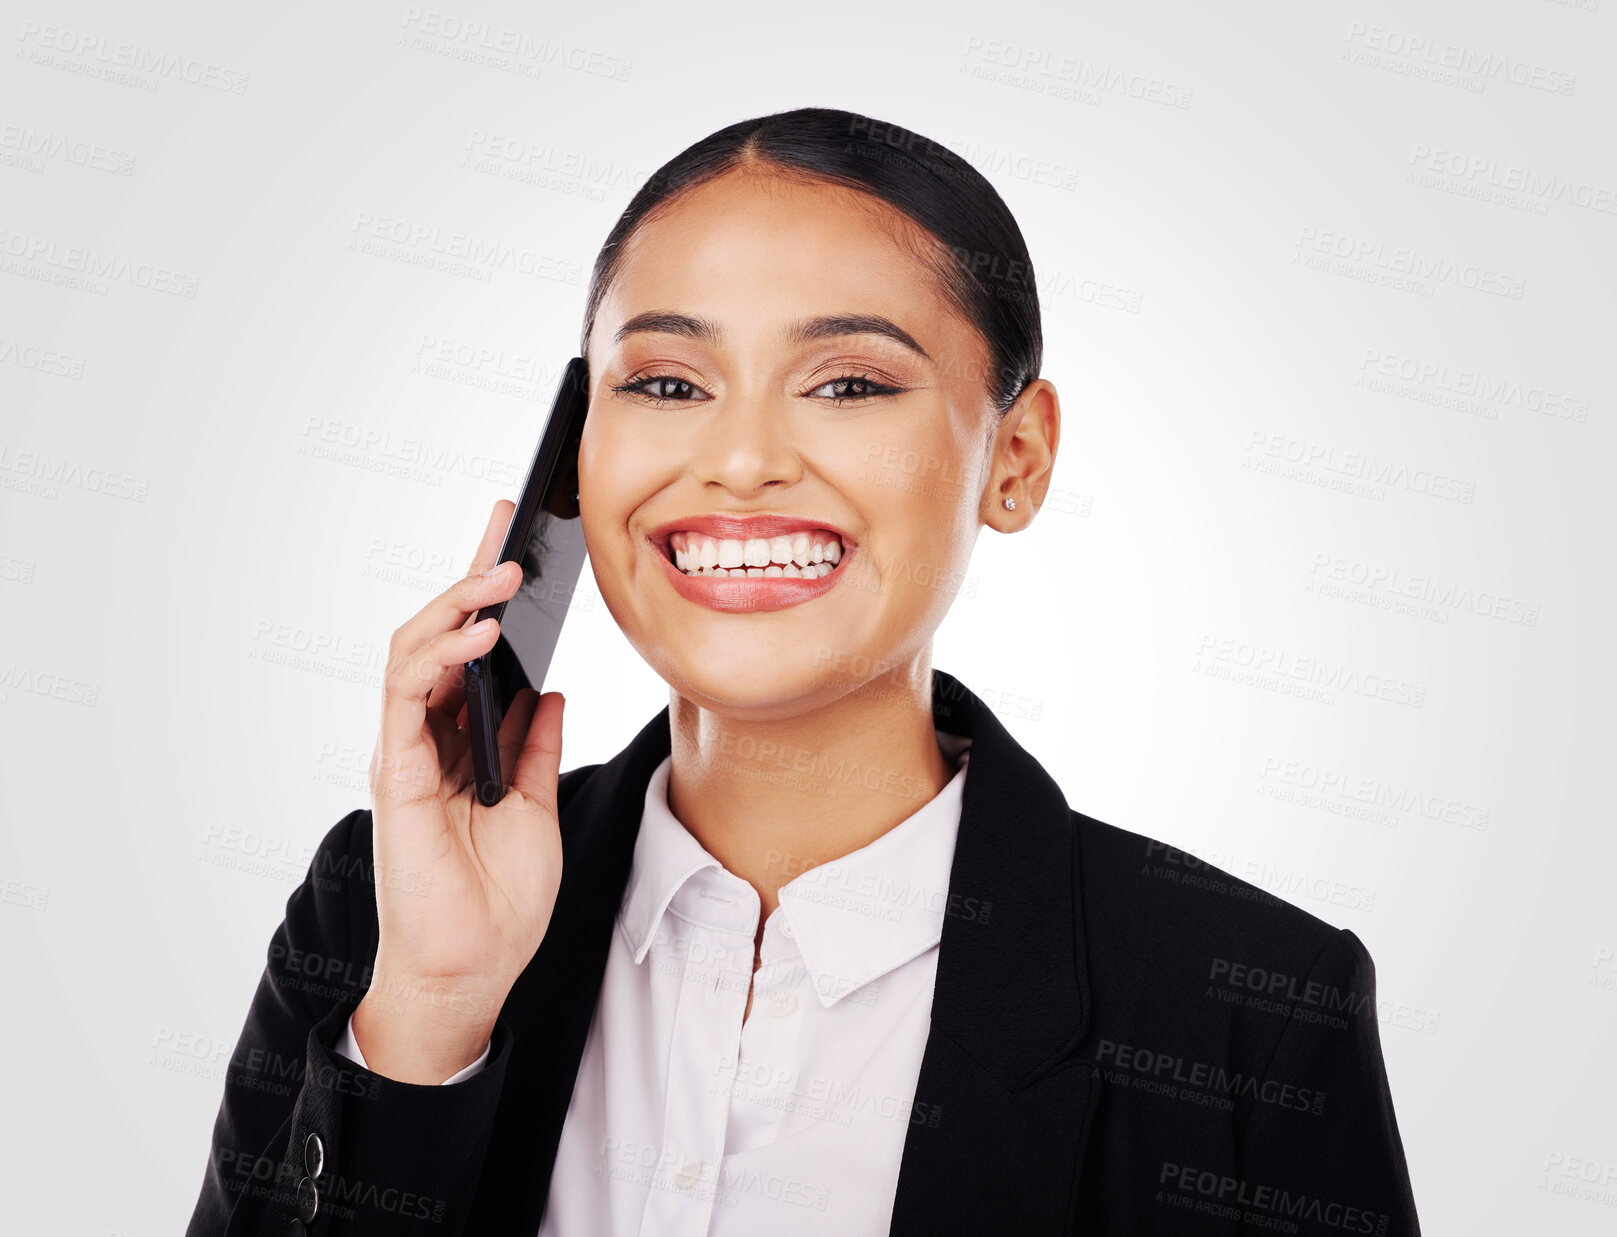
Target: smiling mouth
[[803, 555]]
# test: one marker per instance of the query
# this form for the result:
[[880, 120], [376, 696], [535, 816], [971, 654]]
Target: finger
[[513, 729], [447, 710], [493, 536], [448, 729], [458, 770], [458, 765], [538, 763], [449, 693], [451, 608], [409, 679], [487, 584]]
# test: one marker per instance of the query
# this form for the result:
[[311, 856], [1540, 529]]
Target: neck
[[770, 800]]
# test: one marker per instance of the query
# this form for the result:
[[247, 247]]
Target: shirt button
[[688, 1176], [786, 929], [782, 1004]]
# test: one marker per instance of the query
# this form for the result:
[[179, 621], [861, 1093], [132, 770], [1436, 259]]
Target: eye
[[854, 387], [672, 390]]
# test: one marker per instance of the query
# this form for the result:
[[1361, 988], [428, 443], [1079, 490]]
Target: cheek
[[614, 475], [919, 490], [930, 567]]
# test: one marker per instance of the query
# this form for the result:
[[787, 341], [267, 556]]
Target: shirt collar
[[853, 919], [665, 857]]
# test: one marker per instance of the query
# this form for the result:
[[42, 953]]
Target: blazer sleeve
[[1337, 1160], [304, 1136]]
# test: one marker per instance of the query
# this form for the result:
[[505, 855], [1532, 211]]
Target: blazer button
[[296, 1229], [308, 1201], [314, 1155]]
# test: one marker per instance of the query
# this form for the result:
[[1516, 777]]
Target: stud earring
[[1010, 504]]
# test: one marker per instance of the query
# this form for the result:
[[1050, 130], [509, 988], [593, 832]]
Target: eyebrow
[[827, 326]]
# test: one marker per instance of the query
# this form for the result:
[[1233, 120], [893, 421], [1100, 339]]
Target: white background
[[216, 507]]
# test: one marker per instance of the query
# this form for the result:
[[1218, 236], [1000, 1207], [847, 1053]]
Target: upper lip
[[742, 527]]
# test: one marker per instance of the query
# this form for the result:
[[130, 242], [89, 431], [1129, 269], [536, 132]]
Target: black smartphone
[[547, 537]]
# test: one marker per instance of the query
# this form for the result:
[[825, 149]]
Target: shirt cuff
[[348, 1046]]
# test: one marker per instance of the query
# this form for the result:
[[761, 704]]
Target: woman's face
[[722, 388]]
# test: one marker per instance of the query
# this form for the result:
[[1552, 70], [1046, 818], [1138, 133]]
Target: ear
[[1023, 455]]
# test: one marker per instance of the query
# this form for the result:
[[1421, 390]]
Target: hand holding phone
[[465, 890], [546, 536]]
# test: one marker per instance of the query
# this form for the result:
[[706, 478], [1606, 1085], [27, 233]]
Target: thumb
[[538, 765]]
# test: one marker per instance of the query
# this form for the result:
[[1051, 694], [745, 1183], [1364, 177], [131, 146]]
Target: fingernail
[[477, 627], [490, 571]]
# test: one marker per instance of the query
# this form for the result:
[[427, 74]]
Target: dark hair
[[981, 260]]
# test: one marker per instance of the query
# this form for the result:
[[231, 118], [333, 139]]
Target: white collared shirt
[[686, 1122]]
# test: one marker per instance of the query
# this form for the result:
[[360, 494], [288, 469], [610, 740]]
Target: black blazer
[[1123, 1042]]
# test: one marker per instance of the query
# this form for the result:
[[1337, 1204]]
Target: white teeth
[[774, 570], [800, 555]]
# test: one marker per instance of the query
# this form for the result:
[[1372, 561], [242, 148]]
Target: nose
[[747, 448]]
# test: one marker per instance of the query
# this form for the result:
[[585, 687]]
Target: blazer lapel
[[1001, 1113], [1001, 1110], [552, 1003]]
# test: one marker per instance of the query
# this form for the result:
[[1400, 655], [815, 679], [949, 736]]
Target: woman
[[823, 949]]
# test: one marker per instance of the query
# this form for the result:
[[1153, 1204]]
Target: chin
[[764, 688]]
